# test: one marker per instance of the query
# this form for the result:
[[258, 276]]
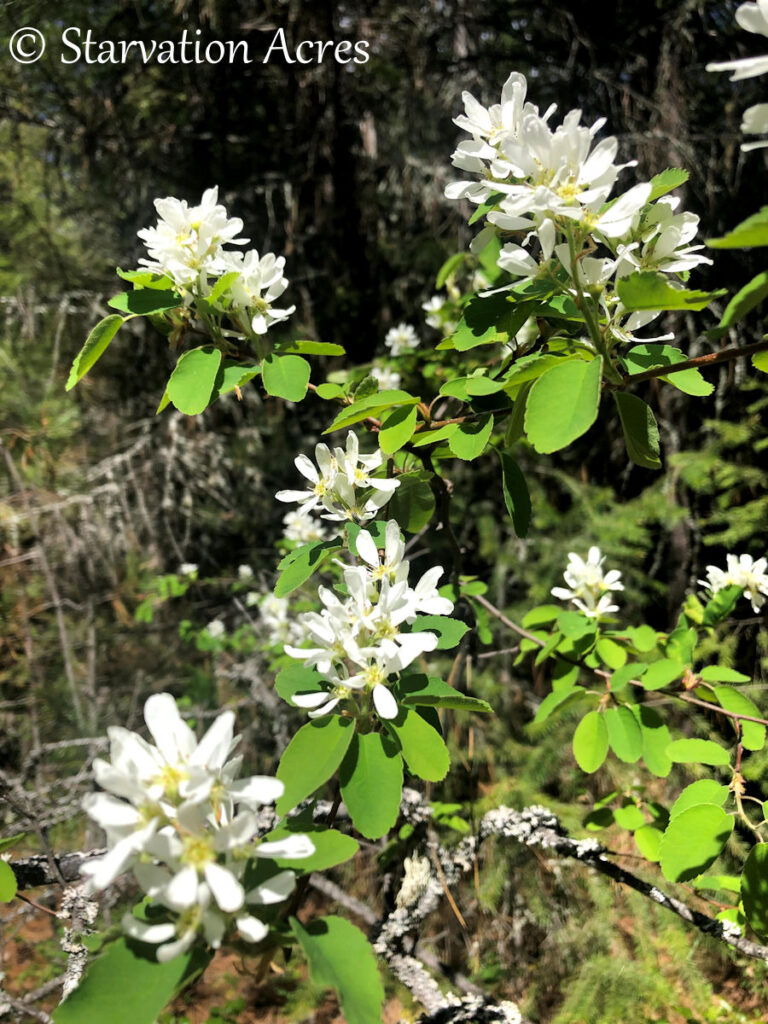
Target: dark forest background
[[342, 169]]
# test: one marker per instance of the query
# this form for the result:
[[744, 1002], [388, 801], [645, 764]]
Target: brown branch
[[711, 359], [735, 715]]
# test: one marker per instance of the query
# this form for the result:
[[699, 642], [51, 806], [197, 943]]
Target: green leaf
[[371, 778], [624, 734], [720, 606], [8, 842], [222, 286], [651, 356], [752, 733], [233, 375], [648, 839], [590, 742], [750, 233], [490, 320], [298, 679], [559, 700], [693, 840], [191, 384], [722, 674], [340, 958], [331, 847], [468, 441], [672, 177], [94, 347], [754, 889], [516, 422], [704, 791], [329, 391], [285, 377], [450, 266], [423, 748], [306, 560], [760, 361], [651, 290], [8, 886], [433, 436], [145, 278], [656, 739], [146, 301], [516, 495], [629, 816], [720, 883], [744, 301], [126, 985], [449, 631], [610, 653], [311, 348], [371, 405], [397, 429], [413, 503], [311, 758], [698, 752], [644, 638], [641, 432], [622, 676], [661, 673], [419, 690], [562, 404]]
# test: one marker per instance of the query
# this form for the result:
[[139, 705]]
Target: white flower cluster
[[402, 338], [358, 643], [589, 586], [549, 182], [177, 815], [752, 17], [342, 483], [303, 529], [741, 571], [278, 627], [388, 380], [187, 245]]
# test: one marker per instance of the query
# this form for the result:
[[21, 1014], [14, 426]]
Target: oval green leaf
[[371, 778], [693, 840], [311, 758], [590, 742], [562, 404], [191, 384]]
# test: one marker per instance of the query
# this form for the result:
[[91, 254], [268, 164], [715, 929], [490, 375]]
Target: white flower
[[188, 569], [244, 572], [589, 586], [178, 815], [216, 629], [360, 642], [336, 480], [388, 380], [302, 528], [278, 627], [741, 571], [490, 129], [186, 244], [321, 478], [401, 338], [753, 17], [432, 308], [659, 240], [259, 282]]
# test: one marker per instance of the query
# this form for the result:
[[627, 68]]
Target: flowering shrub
[[563, 275]]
